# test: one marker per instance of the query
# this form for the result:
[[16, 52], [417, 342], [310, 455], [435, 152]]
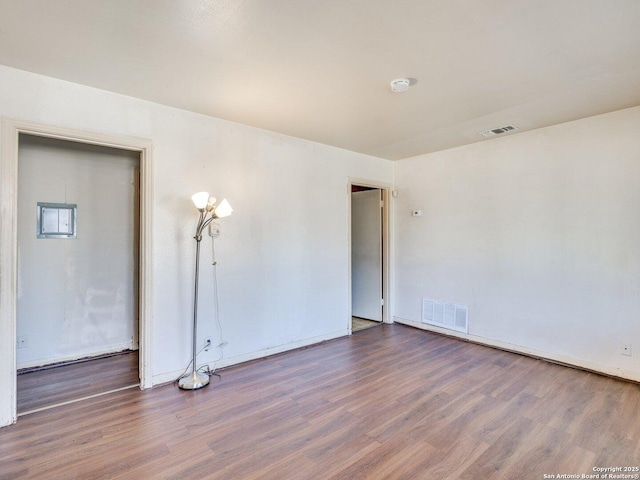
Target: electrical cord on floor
[[190, 362], [211, 373]]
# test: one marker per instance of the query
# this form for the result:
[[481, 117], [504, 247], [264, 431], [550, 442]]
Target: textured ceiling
[[320, 70]]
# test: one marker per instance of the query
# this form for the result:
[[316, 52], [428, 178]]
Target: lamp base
[[193, 381]]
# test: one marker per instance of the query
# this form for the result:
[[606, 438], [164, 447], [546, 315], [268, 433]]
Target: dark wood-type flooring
[[388, 403], [65, 383]]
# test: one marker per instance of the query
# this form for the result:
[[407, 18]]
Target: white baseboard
[[576, 362], [94, 352], [247, 357]]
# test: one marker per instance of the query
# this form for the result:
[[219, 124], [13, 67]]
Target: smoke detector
[[400, 85]]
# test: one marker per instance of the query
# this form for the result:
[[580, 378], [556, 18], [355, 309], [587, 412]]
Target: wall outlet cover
[[214, 229], [22, 341]]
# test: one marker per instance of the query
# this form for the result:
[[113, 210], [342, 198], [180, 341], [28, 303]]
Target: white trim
[[11, 130], [387, 245], [8, 242], [227, 362], [79, 355], [532, 352]]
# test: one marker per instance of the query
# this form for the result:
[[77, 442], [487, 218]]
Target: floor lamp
[[206, 205]]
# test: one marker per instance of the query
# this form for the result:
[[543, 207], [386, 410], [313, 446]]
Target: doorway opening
[[368, 254], [12, 131], [78, 256]]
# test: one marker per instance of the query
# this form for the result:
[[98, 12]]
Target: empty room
[[319, 240]]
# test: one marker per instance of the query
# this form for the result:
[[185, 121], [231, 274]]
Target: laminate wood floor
[[66, 383], [388, 403]]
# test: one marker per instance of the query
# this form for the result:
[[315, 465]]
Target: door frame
[[387, 245], [11, 130]]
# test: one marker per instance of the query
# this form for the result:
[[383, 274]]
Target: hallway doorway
[[78, 243], [12, 131], [368, 253]]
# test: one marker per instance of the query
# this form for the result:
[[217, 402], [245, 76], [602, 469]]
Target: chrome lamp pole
[[206, 205]]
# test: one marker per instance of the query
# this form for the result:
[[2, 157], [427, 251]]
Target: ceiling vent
[[498, 131]]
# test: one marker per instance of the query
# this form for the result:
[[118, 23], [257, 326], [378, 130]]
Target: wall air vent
[[498, 131], [445, 315]]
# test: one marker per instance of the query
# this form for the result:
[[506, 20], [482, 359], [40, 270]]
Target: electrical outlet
[[214, 229], [23, 341], [626, 349], [207, 344]]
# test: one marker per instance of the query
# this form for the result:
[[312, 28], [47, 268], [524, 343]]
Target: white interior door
[[366, 255]]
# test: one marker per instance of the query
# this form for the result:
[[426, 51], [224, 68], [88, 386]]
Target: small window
[[57, 220]]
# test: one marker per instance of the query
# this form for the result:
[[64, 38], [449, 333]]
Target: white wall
[[538, 233], [283, 273], [77, 297]]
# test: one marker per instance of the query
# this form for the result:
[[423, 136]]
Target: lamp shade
[[200, 200], [224, 209]]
